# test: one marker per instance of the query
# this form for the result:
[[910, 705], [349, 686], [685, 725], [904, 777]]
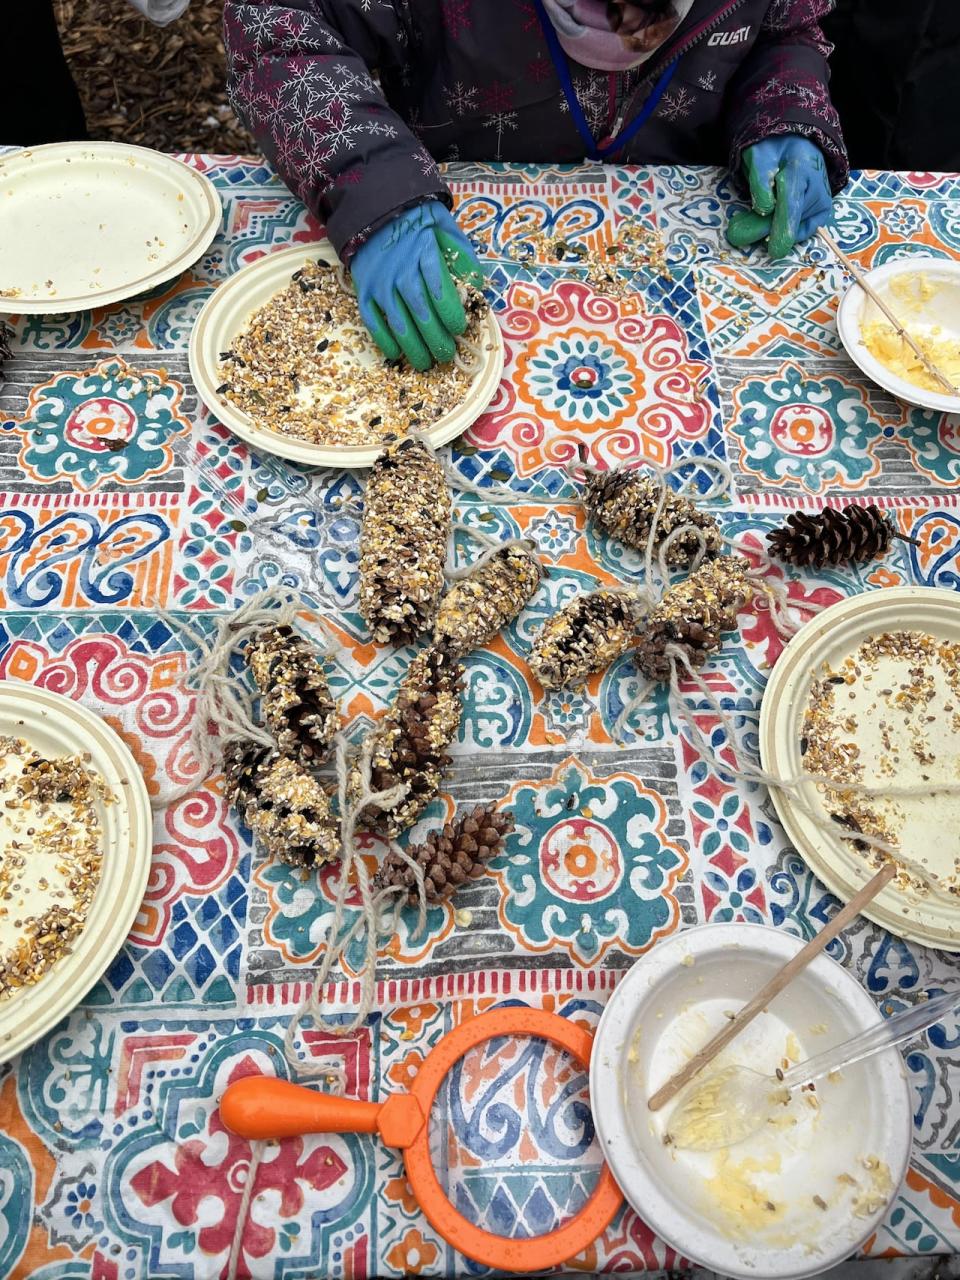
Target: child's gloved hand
[[407, 296], [789, 192]]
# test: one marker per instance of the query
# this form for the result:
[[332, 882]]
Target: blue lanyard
[[562, 68]]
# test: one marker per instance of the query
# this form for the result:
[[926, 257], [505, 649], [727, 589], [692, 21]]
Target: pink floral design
[[195, 1177]]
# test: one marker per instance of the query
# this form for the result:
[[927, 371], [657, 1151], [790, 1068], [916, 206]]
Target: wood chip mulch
[[161, 87]]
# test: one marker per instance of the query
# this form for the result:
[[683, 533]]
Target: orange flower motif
[[398, 1189], [884, 577], [412, 1019], [412, 1254], [404, 1073]]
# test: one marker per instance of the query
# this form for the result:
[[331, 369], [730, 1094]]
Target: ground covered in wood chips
[[161, 87]]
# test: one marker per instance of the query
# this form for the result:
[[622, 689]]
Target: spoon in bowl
[[733, 1103]]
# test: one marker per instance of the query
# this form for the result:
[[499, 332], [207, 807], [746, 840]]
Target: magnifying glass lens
[[512, 1138]]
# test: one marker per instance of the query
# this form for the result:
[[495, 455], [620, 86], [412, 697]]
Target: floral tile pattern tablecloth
[[129, 517]]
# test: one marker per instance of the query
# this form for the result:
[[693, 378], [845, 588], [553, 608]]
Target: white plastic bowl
[[943, 309], [669, 1005]]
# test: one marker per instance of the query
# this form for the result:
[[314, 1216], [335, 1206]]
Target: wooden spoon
[[773, 988]]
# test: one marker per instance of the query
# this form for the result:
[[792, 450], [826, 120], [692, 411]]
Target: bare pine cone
[[694, 614], [851, 535], [585, 636], [623, 504], [403, 541], [295, 698], [478, 606], [448, 857], [285, 807], [410, 741]]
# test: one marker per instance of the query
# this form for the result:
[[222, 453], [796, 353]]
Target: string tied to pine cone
[[836, 535]]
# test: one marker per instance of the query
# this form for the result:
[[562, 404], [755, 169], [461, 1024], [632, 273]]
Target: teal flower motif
[[556, 535], [581, 378], [108, 424], [566, 712], [589, 866], [813, 433]]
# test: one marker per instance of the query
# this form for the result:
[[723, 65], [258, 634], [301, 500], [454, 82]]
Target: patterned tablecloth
[[113, 1160]]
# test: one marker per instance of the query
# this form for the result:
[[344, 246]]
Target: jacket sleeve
[[782, 87], [298, 78]]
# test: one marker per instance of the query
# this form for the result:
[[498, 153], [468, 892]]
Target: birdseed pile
[[50, 859], [607, 269], [305, 366], [891, 711]]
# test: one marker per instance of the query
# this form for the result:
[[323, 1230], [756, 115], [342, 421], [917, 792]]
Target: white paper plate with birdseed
[[328, 381], [86, 224], [55, 727], [869, 690]]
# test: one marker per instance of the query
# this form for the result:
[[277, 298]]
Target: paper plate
[[86, 224], [669, 1005], [227, 311], [55, 725], [942, 310], [932, 918]]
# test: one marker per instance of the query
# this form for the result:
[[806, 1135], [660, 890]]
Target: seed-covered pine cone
[[487, 600], [623, 503], [585, 636], [284, 806], [449, 857], [403, 542], [850, 535], [693, 614], [295, 698], [410, 741]]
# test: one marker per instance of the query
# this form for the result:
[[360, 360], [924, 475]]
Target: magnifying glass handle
[[264, 1107]]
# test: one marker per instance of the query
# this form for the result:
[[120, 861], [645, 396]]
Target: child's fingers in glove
[[413, 290], [746, 227]]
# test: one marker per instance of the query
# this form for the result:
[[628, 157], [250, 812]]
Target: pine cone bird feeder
[[284, 806], [448, 857], [295, 698], [481, 604], [693, 615], [623, 503], [585, 636], [409, 743], [403, 541]]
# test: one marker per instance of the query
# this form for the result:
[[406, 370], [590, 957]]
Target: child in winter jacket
[[354, 100]]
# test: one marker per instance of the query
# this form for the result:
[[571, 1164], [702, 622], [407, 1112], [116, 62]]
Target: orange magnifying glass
[[266, 1108]]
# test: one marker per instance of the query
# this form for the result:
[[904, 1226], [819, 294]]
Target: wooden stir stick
[[773, 988], [875, 298]]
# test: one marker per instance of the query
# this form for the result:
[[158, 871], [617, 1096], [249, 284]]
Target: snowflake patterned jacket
[[352, 101]]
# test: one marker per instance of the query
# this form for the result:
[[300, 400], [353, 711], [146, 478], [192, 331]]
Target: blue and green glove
[[789, 192], [403, 276]]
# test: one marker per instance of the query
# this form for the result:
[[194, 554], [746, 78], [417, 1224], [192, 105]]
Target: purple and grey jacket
[[352, 101]]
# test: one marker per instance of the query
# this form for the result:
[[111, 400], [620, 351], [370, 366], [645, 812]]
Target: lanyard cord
[[594, 151]]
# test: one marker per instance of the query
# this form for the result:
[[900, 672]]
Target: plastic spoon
[[734, 1103]]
